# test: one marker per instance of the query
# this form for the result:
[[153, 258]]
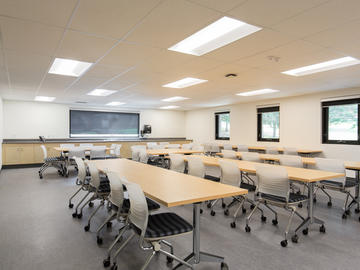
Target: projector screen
[[103, 124]]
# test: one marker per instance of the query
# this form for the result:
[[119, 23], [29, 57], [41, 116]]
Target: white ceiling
[[128, 40]]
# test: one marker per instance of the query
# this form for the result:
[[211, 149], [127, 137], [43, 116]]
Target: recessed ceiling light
[[44, 98], [174, 99], [323, 66], [186, 82], [69, 67], [115, 103], [101, 92], [258, 92], [214, 36], [169, 107]]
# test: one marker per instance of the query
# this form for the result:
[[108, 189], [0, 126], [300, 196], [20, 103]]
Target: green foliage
[[344, 114]]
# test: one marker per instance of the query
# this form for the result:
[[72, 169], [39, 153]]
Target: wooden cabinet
[[18, 154]]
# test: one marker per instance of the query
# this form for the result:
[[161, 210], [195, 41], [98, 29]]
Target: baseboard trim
[[19, 166]]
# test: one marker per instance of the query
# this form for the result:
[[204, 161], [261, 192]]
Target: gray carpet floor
[[38, 232]]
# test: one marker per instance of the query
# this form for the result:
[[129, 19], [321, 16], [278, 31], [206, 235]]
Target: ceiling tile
[[83, 47], [29, 37], [112, 18], [318, 19], [56, 82], [51, 12], [171, 22], [223, 5], [267, 13]]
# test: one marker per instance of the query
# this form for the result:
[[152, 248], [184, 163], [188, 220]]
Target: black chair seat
[[212, 178], [104, 187], [350, 182], [52, 159], [247, 186], [165, 224], [151, 204], [293, 198]]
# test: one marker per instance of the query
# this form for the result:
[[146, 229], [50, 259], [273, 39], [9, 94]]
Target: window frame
[[259, 112], [217, 126], [325, 120]]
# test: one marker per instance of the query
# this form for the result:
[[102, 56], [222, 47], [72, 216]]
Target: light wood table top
[[158, 152], [85, 148], [299, 174], [350, 165], [167, 187]]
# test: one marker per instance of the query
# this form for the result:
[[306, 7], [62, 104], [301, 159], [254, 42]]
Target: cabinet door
[[26, 154], [12, 154]]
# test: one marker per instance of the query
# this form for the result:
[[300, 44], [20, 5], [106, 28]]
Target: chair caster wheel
[[244, 211], [275, 222], [329, 204], [208, 205], [252, 207], [113, 267], [247, 229], [322, 229], [295, 238], [41, 177], [108, 224], [284, 243], [263, 218], [359, 219], [74, 215], [357, 211], [305, 231], [344, 216], [169, 259], [223, 205], [71, 205], [106, 262], [99, 240], [91, 204], [300, 205], [347, 212], [298, 192], [314, 200], [224, 266], [233, 225], [226, 212], [87, 228], [79, 216], [212, 213]]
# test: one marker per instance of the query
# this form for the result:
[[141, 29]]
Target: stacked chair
[[55, 162]]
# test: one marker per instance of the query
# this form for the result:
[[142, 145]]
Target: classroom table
[[166, 152], [85, 148], [307, 176], [170, 189]]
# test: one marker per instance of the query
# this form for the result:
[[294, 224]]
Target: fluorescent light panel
[[44, 98], [101, 92], [323, 66], [169, 107], [174, 99], [258, 92], [214, 36], [115, 103], [69, 67], [186, 82]]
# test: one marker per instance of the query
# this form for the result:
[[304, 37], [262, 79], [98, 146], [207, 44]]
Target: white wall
[[300, 124], [1, 130], [27, 120]]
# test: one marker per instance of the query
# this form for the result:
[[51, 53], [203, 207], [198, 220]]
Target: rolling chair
[[153, 230], [56, 162], [231, 154], [342, 184], [151, 145], [207, 148], [274, 189], [187, 146], [98, 152], [290, 151], [67, 145], [173, 146], [115, 150], [198, 148], [228, 147], [271, 151], [74, 152], [163, 143], [230, 175], [177, 163], [135, 151], [242, 148], [214, 148]]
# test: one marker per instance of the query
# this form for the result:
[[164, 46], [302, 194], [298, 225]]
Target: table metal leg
[[198, 256], [310, 218], [355, 201]]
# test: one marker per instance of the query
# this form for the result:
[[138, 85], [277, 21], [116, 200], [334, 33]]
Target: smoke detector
[[229, 75]]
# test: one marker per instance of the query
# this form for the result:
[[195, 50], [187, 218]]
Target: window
[[222, 126], [340, 121], [268, 124], [103, 124]]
